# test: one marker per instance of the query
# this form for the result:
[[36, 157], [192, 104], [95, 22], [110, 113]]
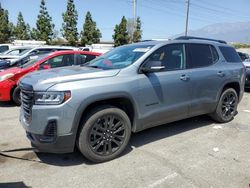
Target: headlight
[[52, 98], [6, 76]]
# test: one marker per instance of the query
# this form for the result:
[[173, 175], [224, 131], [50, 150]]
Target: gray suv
[[131, 88]]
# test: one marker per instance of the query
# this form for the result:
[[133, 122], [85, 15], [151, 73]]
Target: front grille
[[27, 103]]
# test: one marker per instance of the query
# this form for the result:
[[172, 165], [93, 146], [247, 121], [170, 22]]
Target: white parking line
[[246, 111], [160, 181], [217, 127]]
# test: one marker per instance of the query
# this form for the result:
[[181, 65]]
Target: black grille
[[51, 129], [27, 103]]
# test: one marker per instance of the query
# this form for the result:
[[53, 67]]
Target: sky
[[160, 18]]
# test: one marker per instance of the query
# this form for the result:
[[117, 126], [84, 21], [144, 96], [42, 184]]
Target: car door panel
[[163, 96], [205, 80]]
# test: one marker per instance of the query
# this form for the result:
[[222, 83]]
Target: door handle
[[221, 73], [184, 77]]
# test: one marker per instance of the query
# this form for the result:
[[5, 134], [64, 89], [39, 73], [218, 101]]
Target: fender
[[98, 98]]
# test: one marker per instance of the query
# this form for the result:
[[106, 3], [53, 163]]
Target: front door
[[164, 96]]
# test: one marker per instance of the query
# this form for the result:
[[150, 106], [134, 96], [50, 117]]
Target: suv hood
[[42, 80]]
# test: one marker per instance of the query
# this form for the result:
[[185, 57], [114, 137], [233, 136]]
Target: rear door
[[207, 77]]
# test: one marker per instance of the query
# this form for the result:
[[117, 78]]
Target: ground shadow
[[167, 130], [137, 140], [247, 90], [7, 104], [13, 185]]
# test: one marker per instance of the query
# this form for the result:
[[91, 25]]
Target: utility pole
[[135, 14], [188, 4]]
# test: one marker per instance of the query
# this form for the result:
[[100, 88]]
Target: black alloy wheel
[[227, 106], [107, 134], [104, 133]]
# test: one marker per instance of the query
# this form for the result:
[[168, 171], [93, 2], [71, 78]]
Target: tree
[[90, 33], [138, 32], [69, 29], [121, 34], [44, 25], [4, 26], [21, 30], [33, 34], [12, 31]]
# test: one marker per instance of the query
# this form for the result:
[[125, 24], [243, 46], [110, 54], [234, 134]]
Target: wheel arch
[[234, 85], [122, 101]]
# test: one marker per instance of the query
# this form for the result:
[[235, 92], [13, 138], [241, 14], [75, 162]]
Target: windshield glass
[[23, 52], [31, 60], [119, 57]]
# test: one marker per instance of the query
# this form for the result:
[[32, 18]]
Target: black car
[[247, 65], [243, 56]]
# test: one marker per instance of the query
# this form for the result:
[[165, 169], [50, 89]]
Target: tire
[[16, 96], [104, 134], [226, 107]]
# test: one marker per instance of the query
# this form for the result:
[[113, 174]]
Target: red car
[[10, 77]]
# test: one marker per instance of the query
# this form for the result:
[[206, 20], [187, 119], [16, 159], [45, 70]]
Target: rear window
[[230, 54]]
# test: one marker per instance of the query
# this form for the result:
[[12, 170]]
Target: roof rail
[[199, 38]]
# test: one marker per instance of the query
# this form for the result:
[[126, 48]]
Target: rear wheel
[[105, 134], [16, 96], [226, 107]]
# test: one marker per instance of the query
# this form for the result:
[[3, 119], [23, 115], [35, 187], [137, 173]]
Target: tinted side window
[[59, 61], [230, 54], [201, 55], [89, 58], [172, 57], [215, 56], [43, 51]]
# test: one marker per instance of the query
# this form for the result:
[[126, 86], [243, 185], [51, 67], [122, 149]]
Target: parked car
[[5, 47], [247, 65], [129, 89], [15, 51], [243, 56], [9, 78], [12, 60], [5, 64]]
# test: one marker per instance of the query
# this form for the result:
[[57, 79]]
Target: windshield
[[119, 57], [23, 52], [31, 60]]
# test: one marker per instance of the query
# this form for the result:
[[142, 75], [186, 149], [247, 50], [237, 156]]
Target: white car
[[35, 51]]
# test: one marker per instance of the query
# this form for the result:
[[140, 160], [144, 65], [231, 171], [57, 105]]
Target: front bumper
[[5, 89], [61, 144], [58, 139]]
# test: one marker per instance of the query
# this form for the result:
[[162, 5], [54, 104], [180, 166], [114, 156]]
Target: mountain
[[230, 32]]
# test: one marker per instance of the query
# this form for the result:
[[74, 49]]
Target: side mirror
[[152, 66]]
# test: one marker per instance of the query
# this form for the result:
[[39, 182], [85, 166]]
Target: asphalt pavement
[[190, 153]]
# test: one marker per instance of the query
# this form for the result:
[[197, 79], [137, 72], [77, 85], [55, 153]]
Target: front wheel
[[226, 107], [16, 96], [104, 134]]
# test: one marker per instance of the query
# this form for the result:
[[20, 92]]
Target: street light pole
[[135, 14], [188, 4]]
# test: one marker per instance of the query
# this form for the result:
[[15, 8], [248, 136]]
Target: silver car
[[131, 88]]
